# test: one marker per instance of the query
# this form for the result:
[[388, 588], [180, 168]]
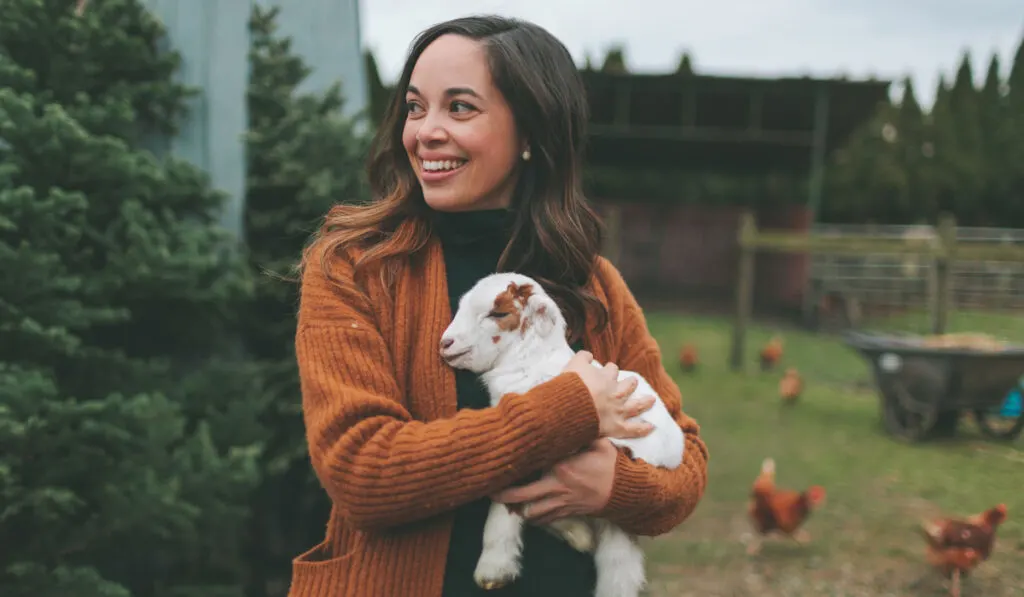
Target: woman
[[476, 168]]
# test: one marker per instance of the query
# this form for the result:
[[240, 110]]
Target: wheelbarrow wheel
[[908, 420], [1008, 432]]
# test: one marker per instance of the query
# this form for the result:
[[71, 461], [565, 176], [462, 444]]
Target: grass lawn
[[863, 540]]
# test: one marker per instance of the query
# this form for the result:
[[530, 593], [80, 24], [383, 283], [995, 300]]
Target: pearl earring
[[526, 155]]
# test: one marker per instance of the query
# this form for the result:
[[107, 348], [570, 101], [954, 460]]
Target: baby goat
[[508, 330]]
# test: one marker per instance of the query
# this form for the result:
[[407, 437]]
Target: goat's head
[[500, 312]]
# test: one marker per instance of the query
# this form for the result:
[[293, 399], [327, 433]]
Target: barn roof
[[687, 121]]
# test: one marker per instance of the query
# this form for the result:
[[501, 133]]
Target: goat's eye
[[496, 314]]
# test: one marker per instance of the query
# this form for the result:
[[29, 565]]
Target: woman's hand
[[580, 484], [610, 397]]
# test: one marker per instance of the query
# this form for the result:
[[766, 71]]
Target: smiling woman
[[460, 134], [475, 169]]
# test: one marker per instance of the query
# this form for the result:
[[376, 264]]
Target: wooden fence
[[941, 250]]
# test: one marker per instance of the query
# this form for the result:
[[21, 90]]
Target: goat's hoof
[[494, 573], [580, 537], [583, 543]]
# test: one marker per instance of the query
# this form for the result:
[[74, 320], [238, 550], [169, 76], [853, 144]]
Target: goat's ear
[[520, 293], [541, 316]]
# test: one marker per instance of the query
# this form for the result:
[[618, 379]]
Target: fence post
[[744, 288], [944, 273]]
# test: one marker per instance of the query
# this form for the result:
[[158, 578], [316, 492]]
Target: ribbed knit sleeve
[[382, 468], [649, 500]]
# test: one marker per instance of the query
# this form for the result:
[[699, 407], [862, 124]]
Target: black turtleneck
[[472, 243]]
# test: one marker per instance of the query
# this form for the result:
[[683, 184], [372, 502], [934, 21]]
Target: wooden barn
[[682, 122]]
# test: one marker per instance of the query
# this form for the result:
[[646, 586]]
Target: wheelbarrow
[[924, 386]]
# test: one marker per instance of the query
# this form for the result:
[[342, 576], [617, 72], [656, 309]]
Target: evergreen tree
[[917, 150], [866, 180], [304, 156], [997, 141], [942, 127], [964, 154], [127, 442], [685, 66], [615, 61], [1015, 132], [379, 94]]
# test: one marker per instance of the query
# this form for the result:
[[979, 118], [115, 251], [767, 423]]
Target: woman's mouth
[[436, 170]]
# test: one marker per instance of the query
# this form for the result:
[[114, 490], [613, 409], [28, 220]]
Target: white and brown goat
[[509, 331]]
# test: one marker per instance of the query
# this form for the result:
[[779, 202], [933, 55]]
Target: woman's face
[[459, 133]]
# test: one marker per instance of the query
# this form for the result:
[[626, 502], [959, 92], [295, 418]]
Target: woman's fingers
[[626, 387], [634, 430], [638, 406]]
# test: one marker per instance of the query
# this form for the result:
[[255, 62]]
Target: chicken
[[790, 386], [957, 546], [771, 353], [688, 358], [783, 511]]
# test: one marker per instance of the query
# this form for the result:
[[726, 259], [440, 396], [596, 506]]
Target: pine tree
[[942, 130], [866, 179], [1014, 200], [685, 66], [127, 442], [917, 150], [378, 93], [615, 61], [965, 159], [304, 156], [997, 143]]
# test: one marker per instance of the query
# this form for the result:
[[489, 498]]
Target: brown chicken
[[783, 511], [771, 354], [956, 546], [688, 358], [790, 386]]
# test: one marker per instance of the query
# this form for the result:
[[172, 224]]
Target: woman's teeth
[[441, 165]]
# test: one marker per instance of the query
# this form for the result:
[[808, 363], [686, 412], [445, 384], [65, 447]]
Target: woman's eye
[[461, 107], [411, 107]]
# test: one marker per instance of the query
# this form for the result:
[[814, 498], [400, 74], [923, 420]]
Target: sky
[[818, 38]]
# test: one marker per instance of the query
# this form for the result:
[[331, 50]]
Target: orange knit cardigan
[[396, 456]]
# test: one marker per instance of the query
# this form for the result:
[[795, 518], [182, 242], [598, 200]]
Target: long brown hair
[[557, 235]]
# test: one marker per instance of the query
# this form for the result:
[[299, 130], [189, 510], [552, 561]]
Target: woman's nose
[[432, 131]]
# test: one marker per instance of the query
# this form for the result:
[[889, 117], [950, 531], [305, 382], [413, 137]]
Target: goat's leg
[[503, 545], [576, 531], [619, 562]]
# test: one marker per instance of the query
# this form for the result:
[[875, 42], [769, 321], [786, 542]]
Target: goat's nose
[[446, 343]]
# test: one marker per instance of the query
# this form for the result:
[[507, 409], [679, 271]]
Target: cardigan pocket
[[314, 574]]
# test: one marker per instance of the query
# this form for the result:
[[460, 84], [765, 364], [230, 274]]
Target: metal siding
[[213, 40], [326, 33]]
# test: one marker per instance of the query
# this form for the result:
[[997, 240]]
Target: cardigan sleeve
[[649, 500], [381, 467]]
